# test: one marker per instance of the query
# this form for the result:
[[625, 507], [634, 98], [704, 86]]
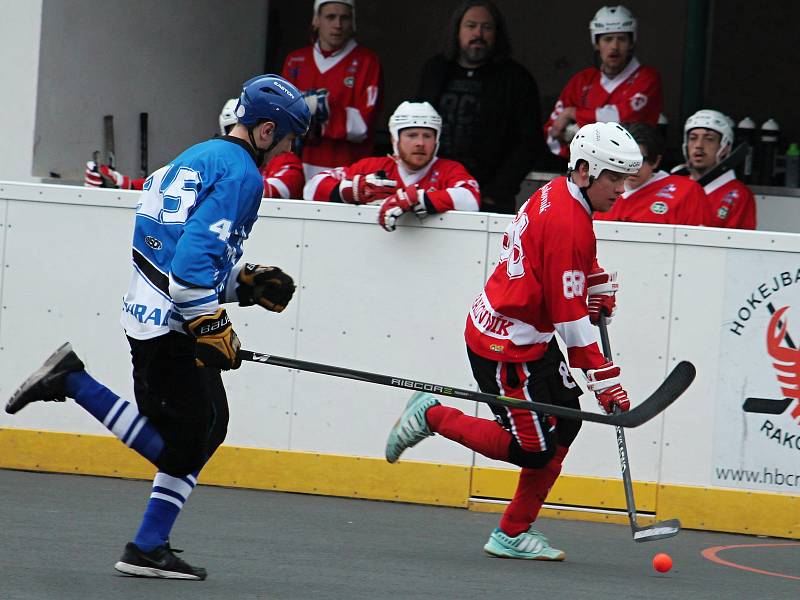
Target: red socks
[[481, 435], [532, 489]]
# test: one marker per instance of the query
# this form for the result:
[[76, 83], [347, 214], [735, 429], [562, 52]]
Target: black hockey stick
[[108, 138], [143, 117], [660, 529], [733, 160], [670, 389], [766, 406]]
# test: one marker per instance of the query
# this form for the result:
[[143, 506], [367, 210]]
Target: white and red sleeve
[[460, 191], [354, 120], [569, 256], [283, 177], [570, 96]]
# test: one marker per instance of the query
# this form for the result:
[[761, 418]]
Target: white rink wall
[[396, 304]]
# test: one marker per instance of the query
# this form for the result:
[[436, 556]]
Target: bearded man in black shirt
[[488, 102]]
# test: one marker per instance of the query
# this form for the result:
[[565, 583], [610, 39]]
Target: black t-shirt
[[460, 107]]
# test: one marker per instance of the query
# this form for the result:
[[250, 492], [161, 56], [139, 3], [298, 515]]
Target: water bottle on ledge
[[746, 132], [768, 149], [792, 166]]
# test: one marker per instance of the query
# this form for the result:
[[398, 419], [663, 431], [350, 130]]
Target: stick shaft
[[627, 419]]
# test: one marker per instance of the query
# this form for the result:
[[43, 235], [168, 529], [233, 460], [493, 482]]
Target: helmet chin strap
[[260, 152]]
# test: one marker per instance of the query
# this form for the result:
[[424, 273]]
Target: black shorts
[[547, 380], [185, 403]]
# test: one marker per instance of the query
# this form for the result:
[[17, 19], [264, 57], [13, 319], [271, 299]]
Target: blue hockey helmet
[[272, 98]]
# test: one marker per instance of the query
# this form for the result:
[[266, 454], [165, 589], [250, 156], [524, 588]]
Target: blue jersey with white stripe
[[192, 218]]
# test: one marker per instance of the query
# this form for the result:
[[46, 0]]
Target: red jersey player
[[708, 138], [653, 196], [412, 179], [283, 175], [620, 90], [342, 83], [539, 287]]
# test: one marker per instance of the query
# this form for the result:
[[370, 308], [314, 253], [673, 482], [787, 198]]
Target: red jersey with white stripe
[[539, 286], [634, 95], [352, 77], [665, 199], [283, 177], [730, 203], [446, 183]]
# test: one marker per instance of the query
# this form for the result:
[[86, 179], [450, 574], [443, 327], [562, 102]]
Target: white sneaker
[[527, 545], [411, 428]]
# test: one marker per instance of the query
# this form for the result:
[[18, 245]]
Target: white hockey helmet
[[606, 147], [351, 3], [227, 116], [715, 121], [414, 114], [612, 19]]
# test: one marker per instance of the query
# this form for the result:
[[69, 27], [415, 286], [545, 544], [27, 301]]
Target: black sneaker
[[47, 383], [160, 562]]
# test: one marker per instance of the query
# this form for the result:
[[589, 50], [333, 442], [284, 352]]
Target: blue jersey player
[[193, 216]]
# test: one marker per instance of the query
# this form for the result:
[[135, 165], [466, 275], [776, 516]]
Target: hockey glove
[[217, 343], [604, 382], [402, 201], [367, 188], [266, 286], [602, 289], [317, 101], [104, 176]]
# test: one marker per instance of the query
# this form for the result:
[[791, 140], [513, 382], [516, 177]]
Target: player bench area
[[687, 293]]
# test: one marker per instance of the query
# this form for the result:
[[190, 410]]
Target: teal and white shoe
[[527, 545], [411, 428]]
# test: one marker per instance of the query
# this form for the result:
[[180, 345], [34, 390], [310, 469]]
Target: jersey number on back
[[169, 199], [511, 252]]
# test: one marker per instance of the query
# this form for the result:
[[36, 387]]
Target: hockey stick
[[660, 529], [143, 117], [108, 135], [673, 386], [732, 161], [766, 406]]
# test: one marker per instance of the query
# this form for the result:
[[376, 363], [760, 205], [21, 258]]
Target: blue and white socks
[[119, 416], [166, 501]]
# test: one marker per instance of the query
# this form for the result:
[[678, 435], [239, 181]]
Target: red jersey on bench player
[[653, 196], [413, 179], [620, 90]]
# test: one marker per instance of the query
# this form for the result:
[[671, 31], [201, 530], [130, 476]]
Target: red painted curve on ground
[[712, 555]]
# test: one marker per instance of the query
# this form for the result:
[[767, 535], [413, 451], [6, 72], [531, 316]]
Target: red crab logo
[[786, 357]]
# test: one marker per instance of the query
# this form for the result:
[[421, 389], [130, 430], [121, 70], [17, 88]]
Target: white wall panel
[[66, 268], [392, 303]]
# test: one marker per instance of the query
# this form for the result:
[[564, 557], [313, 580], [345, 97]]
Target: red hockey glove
[[604, 382], [402, 201], [105, 176], [367, 188], [602, 289]]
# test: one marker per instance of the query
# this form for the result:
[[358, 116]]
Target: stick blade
[[657, 531], [766, 406], [677, 382]]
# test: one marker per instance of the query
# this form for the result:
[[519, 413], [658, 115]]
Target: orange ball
[[662, 562]]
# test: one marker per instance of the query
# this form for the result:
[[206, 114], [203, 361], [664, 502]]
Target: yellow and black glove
[[217, 343], [266, 286]]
